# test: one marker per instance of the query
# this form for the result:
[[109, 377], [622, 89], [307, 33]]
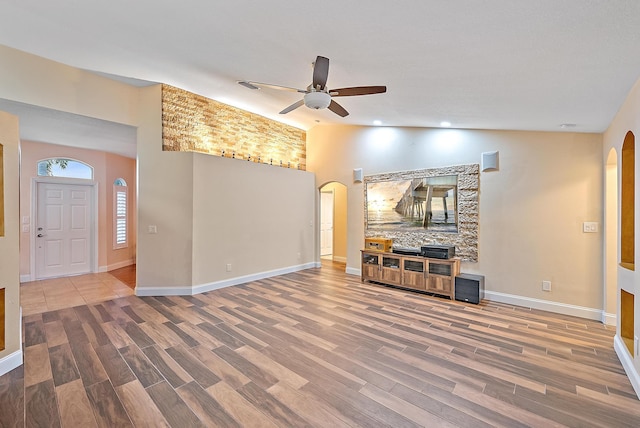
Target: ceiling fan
[[317, 96]]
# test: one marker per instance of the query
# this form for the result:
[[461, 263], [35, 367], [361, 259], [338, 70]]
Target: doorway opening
[[333, 222]]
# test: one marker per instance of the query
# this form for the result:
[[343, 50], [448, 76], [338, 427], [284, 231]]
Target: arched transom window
[[61, 167]]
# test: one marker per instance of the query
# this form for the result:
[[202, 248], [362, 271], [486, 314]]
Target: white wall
[[531, 210]]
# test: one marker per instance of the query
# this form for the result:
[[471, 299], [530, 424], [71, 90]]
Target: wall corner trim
[[10, 362], [546, 305], [627, 363], [609, 319]]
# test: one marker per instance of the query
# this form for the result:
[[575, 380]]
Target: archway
[[610, 306], [333, 222]]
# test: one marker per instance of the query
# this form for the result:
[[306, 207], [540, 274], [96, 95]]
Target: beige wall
[[211, 211], [339, 219], [107, 167], [256, 217], [9, 243], [165, 200], [627, 119], [38, 81], [531, 210], [165, 179]]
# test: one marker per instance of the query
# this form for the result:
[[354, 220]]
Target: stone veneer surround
[[193, 123], [466, 239]]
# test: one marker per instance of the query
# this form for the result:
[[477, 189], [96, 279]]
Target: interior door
[[326, 223], [64, 235]]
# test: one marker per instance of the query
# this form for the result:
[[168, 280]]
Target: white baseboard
[[609, 319], [121, 264], [101, 269], [14, 359], [545, 305], [202, 288], [10, 362], [353, 271], [339, 259], [627, 363]]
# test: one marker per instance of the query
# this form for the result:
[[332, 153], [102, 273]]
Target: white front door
[[326, 223], [63, 235]]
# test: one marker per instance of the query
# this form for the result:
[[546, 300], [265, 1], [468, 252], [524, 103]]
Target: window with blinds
[[120, 214]]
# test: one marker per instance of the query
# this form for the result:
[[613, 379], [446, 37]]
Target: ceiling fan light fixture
[[317, 100]]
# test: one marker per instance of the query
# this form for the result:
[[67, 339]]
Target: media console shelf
[[431, 275]]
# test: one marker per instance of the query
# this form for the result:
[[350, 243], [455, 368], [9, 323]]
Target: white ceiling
[[491, 64]]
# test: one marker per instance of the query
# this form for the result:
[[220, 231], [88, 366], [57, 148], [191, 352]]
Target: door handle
[[40, 235]]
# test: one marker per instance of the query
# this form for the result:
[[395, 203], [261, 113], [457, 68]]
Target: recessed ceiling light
[[445, 124], [377, 122], [567, 125]]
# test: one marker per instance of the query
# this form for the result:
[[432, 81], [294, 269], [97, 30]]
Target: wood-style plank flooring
[[314, 348]]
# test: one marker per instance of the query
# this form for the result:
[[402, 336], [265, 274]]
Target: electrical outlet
[[152, 228], [546, 285], [590, 227], [228, 267]]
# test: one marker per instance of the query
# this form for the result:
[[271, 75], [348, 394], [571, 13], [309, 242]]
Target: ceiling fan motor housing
[[317, 100]]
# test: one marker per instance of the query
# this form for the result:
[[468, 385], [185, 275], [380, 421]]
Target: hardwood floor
[[126, 275], [314, 348]]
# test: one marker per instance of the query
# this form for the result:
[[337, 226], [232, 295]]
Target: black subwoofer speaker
[[469, 288]]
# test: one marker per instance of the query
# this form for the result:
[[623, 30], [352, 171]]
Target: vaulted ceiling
[[491, 64]]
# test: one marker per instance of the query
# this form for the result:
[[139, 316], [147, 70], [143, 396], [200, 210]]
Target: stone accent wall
[[194, 123], [466, 240]]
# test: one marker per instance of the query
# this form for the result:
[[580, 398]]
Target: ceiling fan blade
[[338, 109], [257, 85], [292, 107], [358, 90], [320, 72]]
